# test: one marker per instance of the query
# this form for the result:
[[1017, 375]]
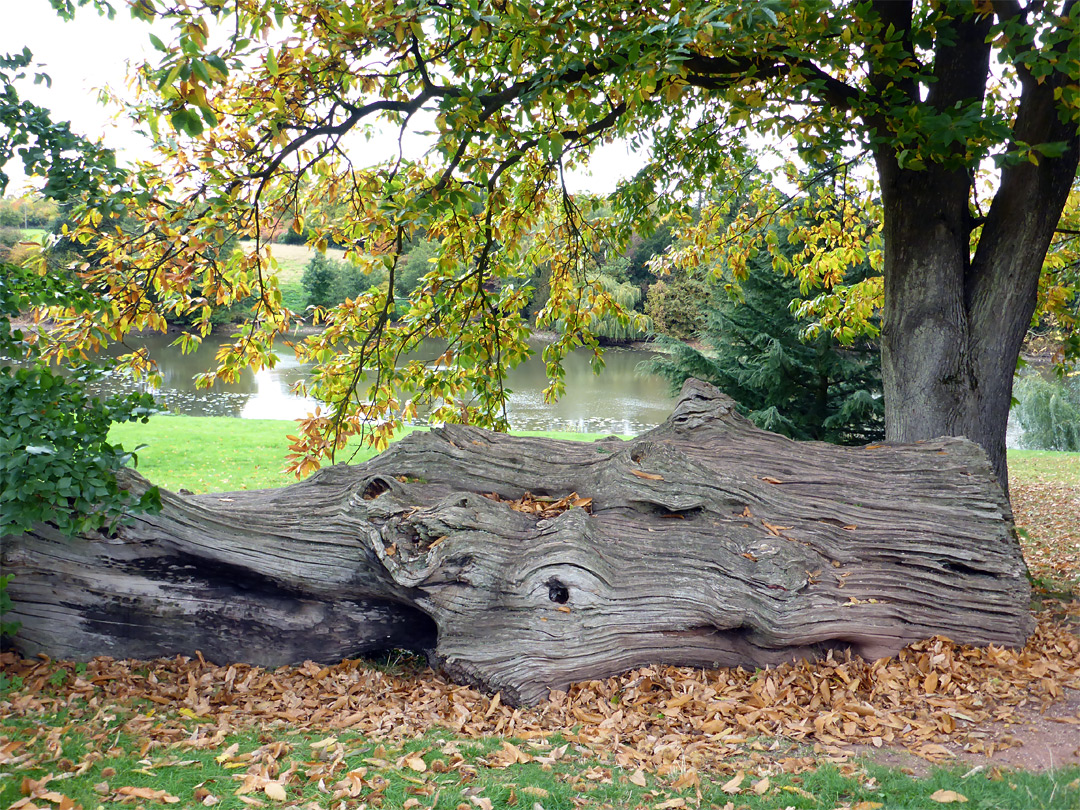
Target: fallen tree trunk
[[704, 542]]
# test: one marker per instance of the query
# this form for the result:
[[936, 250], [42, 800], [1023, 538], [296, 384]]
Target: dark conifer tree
[[752, 349]]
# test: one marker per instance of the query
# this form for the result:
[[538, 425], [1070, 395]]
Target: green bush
[[414, 266], [1049, 412], [327, 282], [56, 463], [6, 628], [675, 305], [10, 236]]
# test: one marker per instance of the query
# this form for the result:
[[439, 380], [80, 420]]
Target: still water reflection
[[620, 400]]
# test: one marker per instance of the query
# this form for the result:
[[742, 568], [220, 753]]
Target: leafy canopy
[[263, 111]]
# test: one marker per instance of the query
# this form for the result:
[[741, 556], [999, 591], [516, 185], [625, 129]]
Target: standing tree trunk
[[523, 564], [955, 316]]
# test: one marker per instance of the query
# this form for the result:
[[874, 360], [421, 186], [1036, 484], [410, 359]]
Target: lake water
[[619, 400]]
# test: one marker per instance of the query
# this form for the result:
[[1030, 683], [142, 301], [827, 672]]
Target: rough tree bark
[[955, 320], [707, 542]]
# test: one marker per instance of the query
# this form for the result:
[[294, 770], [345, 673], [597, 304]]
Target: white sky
[[92, 52]]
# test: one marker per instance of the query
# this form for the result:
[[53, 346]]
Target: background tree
[[1049, 412], [754, 349], [27, 212], [517, 93], [318, 281], [675, 304]]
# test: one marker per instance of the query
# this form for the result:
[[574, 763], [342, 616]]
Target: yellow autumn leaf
[[276, 791], [638, 778], [948, 797], [228, 753], [417, 764]]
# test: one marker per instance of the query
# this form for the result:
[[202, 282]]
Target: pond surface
[[619, 400]]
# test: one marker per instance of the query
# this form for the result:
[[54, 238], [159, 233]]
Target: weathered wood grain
[[708, 543]]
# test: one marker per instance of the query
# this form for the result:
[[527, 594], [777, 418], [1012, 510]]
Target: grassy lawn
[[1045, 466], [188, 451], [292, 259], [285, 767]]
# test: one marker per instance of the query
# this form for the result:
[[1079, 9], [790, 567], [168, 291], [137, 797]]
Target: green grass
[[292, 259], [219, 453], [440, 772], [1046, 466], [293, 295]]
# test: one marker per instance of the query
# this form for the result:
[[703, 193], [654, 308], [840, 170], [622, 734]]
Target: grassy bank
[[326, 769], [292, 261], [1045, 466], [218, 454]]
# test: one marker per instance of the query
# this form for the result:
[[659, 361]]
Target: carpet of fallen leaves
[[934, 698], [1049, 513]]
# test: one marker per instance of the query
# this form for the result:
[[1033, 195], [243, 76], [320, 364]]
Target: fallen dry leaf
[[148, 793], [648, 476], [276, 791], [732, 785], [947, 797], [541, 506]]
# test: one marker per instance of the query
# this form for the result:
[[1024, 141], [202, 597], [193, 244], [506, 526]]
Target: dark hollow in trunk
[[707, 542]]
